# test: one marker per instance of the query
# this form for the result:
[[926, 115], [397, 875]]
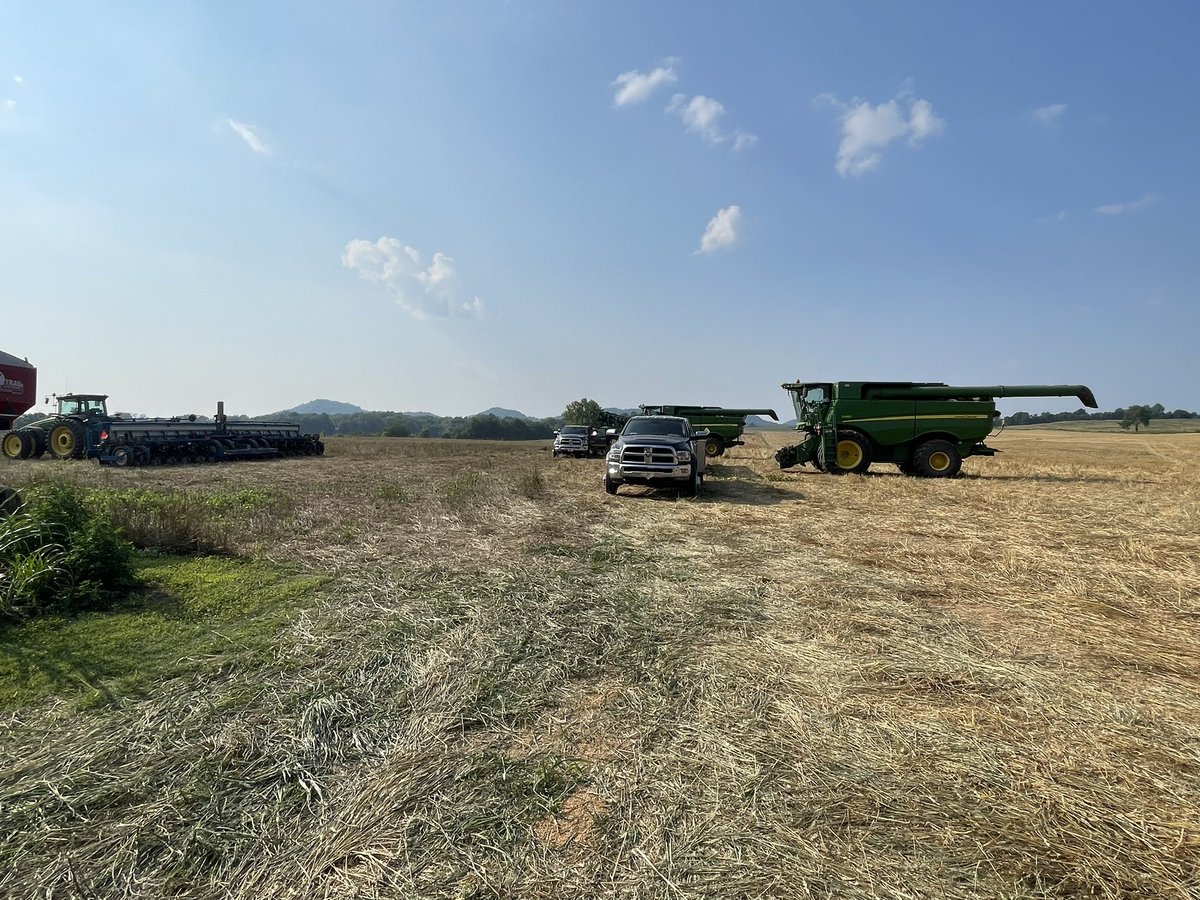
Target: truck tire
[[853, 453], [714, 445], [690, 487], [610, 486], [937, 459], [18, 445]]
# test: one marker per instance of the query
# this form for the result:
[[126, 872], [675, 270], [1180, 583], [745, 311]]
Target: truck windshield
[[574, 429], [654, 426]]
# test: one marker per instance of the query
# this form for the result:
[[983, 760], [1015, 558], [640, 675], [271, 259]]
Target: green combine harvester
[[724, 426], [927, 429]]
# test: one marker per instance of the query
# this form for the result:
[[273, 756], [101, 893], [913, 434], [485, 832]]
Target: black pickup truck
[[657, 450]]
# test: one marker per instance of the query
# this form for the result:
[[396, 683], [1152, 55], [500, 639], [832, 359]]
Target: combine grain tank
[[18, 388], [82, 428], [924, 428]]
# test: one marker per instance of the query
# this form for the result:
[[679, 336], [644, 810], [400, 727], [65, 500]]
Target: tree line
[[1136, 417]]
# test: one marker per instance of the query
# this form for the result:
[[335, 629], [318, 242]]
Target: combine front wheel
[[853, 454], [937, 459]]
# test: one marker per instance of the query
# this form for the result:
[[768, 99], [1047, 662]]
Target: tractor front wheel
[[937, 459], [66, 441]]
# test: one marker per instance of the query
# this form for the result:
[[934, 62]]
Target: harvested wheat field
[[511, 685]]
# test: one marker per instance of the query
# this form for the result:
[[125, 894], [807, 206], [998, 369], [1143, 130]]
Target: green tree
[[396, 427], [583, 412], [1135, 417]]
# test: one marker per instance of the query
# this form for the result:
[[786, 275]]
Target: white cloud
[[251, 137], [10, 103], [867, 129], [422, 292], [634, 87], [18, 79], [1119, 209], [1050, 115], [722, 230], [1060, 216], [702, 116]]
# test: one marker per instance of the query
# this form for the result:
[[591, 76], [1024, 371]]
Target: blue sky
[[450, 206]]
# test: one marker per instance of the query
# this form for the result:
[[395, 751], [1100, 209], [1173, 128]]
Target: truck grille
[[635, 455]]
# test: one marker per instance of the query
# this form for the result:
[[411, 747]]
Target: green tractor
[[926, 429], [64, 433]]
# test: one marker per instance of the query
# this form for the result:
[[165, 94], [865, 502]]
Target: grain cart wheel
[[714, 445], [10, 502], [937, 459], [853, 453], [17, 445], [66, 440]]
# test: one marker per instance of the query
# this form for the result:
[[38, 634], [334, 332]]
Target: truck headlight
[[683, 456]]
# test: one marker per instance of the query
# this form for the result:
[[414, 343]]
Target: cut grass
[[193, 612]]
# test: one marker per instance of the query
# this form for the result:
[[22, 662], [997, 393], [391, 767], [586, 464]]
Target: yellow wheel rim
[[849, 454], [63, 441], [939, 461], [711, 448], [12, 445]]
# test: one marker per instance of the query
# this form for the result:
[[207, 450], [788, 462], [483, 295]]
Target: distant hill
[[326, 407], [501, 413], [760, 422]]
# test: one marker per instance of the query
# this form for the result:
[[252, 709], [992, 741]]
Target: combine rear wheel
[[937, 459], [66, 440], [18, 445]]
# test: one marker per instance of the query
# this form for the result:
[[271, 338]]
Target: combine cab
[[926, 429]]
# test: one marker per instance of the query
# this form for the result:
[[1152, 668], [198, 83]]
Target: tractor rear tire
[[67, 441], [937, 459], [853, 454], [18, 445]]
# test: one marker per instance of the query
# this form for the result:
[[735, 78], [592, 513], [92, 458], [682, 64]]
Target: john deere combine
[[82, 428], [926, 429]]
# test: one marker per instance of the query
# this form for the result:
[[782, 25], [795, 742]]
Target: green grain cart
[[926, 429]]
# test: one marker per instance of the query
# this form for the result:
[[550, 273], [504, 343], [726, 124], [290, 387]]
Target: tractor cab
[[84, 406]]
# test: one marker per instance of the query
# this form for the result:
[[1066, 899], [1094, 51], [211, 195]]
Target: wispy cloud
[[722, 230], [18, 79], [1051, 115], [422, 291], [634, 87], [10, 103], [1119, 209], [702, 116], [867, 129], [1060, 216], [251, 137]]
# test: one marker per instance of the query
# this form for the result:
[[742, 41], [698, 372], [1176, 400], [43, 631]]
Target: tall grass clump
[[57, 555]]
